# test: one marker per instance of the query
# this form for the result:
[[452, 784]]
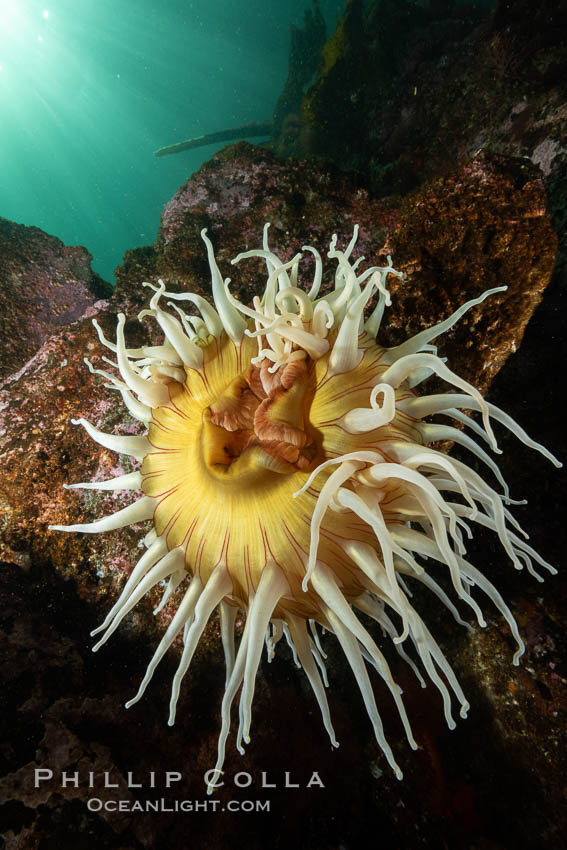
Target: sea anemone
[[288, 473]]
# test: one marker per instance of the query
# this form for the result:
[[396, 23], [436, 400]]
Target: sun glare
[[21, 25]]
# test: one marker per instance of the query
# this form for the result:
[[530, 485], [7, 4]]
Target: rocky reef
[[44, 285]]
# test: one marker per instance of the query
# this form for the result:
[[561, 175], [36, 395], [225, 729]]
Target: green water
[[90, 88]]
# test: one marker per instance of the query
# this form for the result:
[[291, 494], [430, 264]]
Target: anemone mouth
[[259, 425], [288, 472]]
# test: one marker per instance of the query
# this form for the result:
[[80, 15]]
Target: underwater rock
[[306, 44], [485, 220], [409, 89], [44, 285]]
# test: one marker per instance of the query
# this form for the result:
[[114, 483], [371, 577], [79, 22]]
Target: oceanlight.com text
[[161, 805]]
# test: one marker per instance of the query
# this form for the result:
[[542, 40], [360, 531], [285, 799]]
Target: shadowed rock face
[[481, 225], [44, 285], [406, 90]]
